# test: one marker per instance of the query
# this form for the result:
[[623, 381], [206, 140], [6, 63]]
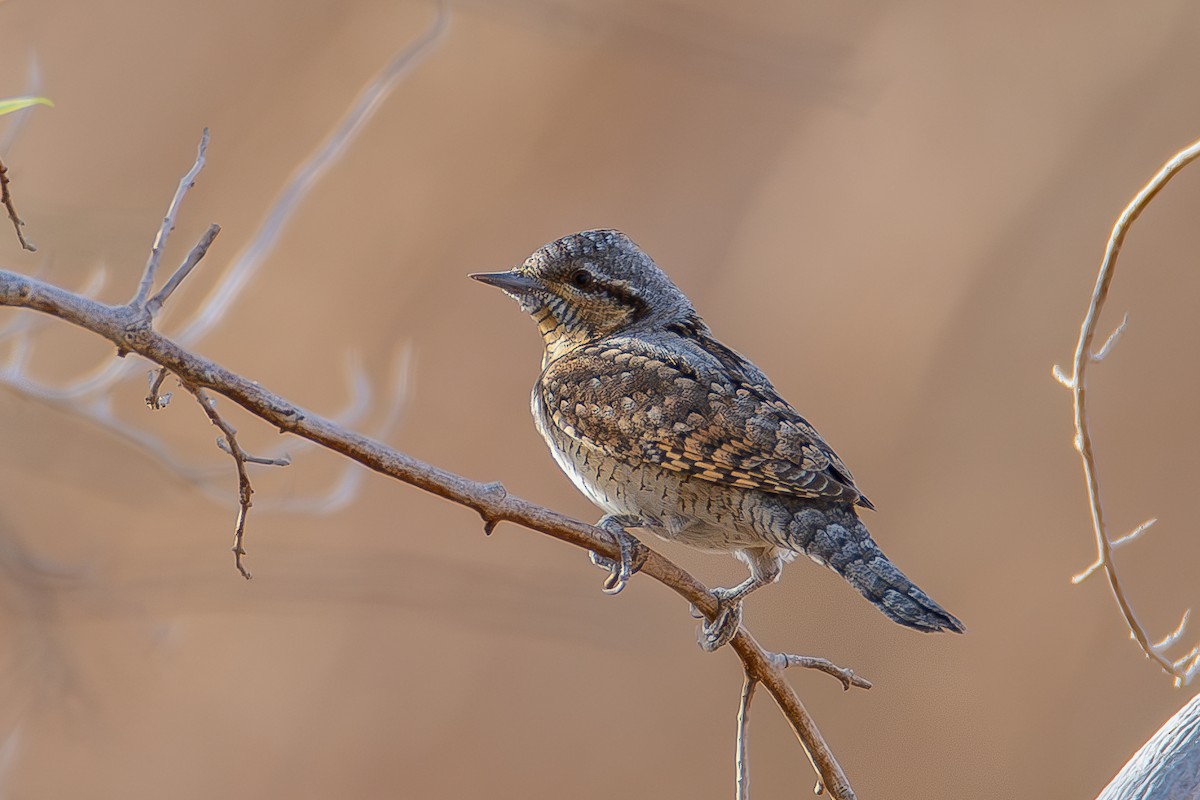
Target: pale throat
[[557, 339], [560, 337]]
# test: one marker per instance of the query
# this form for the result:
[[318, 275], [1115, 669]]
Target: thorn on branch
[[1174, 636], [1062, 377], [494, 493], [6, 198], [1107, 347]]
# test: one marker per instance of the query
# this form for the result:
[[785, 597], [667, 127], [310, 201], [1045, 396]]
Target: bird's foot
[[631, 555], [724, 626]]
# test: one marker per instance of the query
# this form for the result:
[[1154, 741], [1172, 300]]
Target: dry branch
[[168, 224], [1184, 668], [6, 199], [130, 329]]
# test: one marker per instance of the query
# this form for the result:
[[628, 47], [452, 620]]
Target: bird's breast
[[694, 512]]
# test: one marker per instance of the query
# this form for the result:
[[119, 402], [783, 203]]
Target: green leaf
[[17, 103]]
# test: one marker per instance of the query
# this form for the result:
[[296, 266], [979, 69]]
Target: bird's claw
[[621, 569], [724, 626]]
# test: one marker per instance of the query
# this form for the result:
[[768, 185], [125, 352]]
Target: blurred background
[[895, 209]]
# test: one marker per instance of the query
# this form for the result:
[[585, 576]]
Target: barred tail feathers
[[837, 538]]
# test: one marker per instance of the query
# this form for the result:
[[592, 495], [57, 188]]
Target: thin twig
[[741, 755], [168, 224], [1124, 540], [230, 445], [156, 303], [155, 400], [284, 461], [845, 675], [1173, 637], [6, 198], [1112, 340], [1078, 386]]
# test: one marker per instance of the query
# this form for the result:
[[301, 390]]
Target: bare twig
[[168, 223], [230, 445], [1183, 670], [6, 199], [1112, 340], [741, 756], [155, 400], [130, 329], [846, 676], [1126, 539], [156, 303]]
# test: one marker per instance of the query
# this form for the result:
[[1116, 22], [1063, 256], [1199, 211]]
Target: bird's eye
[[582, 279]]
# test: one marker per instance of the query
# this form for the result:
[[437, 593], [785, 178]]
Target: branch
[[168, 223], [741, 763], [6, 199], [1183, 669], [155, 304], [230, 445], [130, 329]]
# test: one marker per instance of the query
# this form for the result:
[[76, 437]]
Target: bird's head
[[590, 285]]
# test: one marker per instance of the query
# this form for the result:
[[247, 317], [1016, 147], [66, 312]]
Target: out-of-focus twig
[[1183, 668], [6, 199], [299, 187]]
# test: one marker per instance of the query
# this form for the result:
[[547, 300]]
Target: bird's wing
[[645, 403]]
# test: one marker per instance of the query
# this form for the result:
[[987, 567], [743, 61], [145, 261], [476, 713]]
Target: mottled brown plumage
[[670, 431]]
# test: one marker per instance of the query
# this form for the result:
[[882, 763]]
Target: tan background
[[896, 209]]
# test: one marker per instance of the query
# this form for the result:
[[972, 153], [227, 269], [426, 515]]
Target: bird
[[667, 430]]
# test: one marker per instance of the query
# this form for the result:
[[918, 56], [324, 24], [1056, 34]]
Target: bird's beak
[[513, 282]]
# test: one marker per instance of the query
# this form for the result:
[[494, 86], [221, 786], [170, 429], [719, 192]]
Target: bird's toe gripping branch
[[631, 552], [724, 626]]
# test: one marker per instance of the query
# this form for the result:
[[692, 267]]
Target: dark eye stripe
[[626, 298]]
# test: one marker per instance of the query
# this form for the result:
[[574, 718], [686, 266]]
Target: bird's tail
[[837, 538]]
